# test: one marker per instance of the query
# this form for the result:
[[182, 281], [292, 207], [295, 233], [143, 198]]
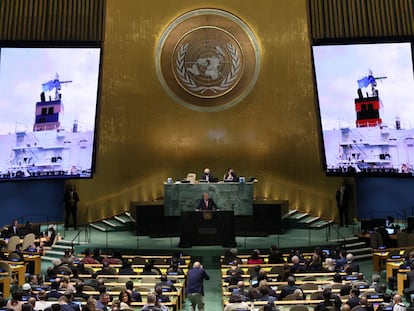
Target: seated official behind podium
[[207, 176], [207, 204], [230, 176]]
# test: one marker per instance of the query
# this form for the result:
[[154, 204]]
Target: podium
[[207, 228]]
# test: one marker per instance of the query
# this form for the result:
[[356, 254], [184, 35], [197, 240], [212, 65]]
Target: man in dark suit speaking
[[207, 204]]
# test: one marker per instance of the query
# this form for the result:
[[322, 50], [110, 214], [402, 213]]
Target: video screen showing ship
[[48, 100], [366, 105]]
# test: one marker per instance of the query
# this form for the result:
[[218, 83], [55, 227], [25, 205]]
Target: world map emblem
[[207, 60]]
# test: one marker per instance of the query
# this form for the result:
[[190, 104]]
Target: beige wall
[[145, 137]]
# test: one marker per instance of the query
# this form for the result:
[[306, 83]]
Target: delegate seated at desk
[[207, 204], [230, 175]]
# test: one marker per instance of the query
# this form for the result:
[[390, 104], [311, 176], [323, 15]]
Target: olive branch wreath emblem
[[225, 83]]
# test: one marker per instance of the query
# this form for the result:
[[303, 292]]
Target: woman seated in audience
[[90, 305], [329, 265], [282, 277], [264, 294], [15, 303], [264, 283], [125, 300], [255, 258], [315, 264]]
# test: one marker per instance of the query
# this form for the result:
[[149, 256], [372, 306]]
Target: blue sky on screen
[[24, 70], [339, 67]]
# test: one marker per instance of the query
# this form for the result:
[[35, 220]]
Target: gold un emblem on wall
[[208, 60]]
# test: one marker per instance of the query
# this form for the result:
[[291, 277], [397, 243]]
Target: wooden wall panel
[[350, 19], [51, 20]]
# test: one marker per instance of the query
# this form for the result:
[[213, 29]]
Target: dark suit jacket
[[208, 177], [211, 206], [10, 231]]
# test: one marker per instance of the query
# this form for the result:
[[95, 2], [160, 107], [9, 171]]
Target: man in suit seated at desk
[[13, 229], [207, 204]]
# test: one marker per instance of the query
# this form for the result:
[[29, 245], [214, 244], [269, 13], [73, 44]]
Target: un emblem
[[207, 60]]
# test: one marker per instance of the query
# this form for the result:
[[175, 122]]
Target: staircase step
[[350, 239], [360, 250], [62, 247], [299, 216], [309, 220], [48, 258], [55, 252], [124, 219], [111, 223], [320, 224], [99, 227], [355, 245]]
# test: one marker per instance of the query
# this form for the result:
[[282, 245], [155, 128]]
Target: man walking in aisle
[[195, 288]]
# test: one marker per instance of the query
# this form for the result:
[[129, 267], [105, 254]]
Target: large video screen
[[366, 104], [48, 100]]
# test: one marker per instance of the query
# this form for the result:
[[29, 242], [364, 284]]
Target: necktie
[[206, 204]]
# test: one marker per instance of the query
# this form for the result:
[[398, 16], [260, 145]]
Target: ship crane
[[369, 80], [53, 84]]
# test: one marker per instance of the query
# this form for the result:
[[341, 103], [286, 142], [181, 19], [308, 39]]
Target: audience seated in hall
[[174, 269], [236, 303], [87, 259], [289, 289], [126, 268], [97, 255], [351, 263], [166, 284], [15, 303], [296, 265], [79, 291], [353, 300], [263, 294], [235, 267], [149, 269], [255, 258], [329, 300], [230, 256], [340, 260], [106, 269], [275, 256], [241, 290], [329, 265], [135, 295], [160, 294]]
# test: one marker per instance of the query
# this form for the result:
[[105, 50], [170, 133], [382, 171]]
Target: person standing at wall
[[342, 204], [71, 200]]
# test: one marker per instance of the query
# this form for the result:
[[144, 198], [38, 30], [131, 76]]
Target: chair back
[[299, 308], [402, 239], [309, 286], [411, 239], [28, 241], [191, 177], [13, 241], [376, 240]]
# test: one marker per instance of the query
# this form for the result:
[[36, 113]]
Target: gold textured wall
[[145, 137]]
